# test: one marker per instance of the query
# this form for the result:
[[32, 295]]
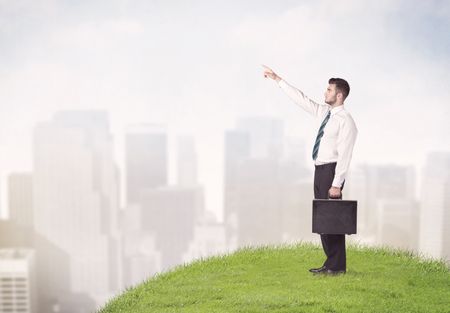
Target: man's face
[[330, 94]]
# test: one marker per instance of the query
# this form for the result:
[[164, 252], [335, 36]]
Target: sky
[[195, 66]]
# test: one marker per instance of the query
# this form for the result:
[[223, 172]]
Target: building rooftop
[[15, 253]]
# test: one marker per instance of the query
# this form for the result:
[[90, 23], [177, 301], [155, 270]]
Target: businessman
[[331, 153]]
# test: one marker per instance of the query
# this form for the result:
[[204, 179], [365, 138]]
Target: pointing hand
[[271, 74]]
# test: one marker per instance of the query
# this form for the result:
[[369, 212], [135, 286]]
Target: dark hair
[[341, 86]]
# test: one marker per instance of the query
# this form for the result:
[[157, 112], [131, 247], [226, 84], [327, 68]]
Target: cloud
[[199, 68], [95, 33], [398, 94]]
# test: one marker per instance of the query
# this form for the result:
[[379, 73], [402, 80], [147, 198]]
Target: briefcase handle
[[333, 198]]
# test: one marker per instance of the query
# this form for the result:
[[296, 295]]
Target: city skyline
[[254, 138], [196, 67], [119, 157], [67, 209]]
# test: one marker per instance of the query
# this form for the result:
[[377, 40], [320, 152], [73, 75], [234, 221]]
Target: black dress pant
[[333, 245]]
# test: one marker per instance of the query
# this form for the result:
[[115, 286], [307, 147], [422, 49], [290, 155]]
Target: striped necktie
[[319, 136]]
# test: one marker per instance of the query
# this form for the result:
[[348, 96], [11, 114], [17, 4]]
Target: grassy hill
[[276, 279]]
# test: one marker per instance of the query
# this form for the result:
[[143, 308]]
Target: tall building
[[158, 220], [75, 198], [356, 188], [434, 217], [295, 205], [20, 199], [377, 188], [265, 184], [17, 281], [266, 136], [141, 259], [258, 196], [168, 213], [54, 292], [187, 172], [296, 192], [146, 160], [237, 148]]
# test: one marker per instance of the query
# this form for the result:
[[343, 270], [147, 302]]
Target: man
[[331, 153]]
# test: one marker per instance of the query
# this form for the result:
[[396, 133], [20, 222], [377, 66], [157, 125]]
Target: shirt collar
[[336, 109]]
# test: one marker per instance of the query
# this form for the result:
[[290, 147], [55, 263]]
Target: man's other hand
[[334, 192], [271, 74]]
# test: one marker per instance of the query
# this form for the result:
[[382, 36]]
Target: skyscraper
[[146, 159], [264, 184], [237, 148], [377, 188], [48, 259], [75, 197], [169, 214], [17, 281], [258, 202], [266, 136], [434, 217]]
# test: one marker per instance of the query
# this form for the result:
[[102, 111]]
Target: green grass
[[276, 279]]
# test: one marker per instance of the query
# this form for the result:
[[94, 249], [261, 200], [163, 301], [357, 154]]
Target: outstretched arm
[[310, 106]]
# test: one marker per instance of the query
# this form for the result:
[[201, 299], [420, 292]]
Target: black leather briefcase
[[334, 216]]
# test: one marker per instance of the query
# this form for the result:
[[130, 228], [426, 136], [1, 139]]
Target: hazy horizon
[[196, 67]]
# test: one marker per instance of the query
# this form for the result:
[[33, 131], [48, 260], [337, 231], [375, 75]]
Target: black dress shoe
[[318, 270], [331, 272]]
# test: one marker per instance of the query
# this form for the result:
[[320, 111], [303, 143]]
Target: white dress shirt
[[339, 134]]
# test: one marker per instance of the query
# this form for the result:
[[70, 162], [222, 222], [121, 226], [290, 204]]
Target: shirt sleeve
[[345, 143], [302, 100]]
